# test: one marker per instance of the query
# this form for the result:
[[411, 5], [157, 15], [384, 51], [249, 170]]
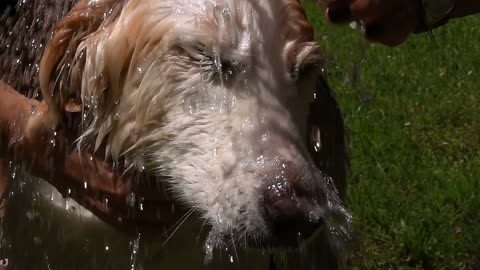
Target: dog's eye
[[225, 71], [228, 70], [220, 71]]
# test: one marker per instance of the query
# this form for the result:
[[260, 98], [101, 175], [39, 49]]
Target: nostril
[[293, 204], [292, 219], [283, 210]]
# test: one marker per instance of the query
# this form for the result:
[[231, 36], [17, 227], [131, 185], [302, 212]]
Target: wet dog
[[224, 100]]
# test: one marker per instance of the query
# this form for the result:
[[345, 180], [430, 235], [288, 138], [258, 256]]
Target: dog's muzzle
[[294, 207]]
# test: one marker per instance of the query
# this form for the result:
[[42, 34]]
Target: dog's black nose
[[291, 213], [290, 223]]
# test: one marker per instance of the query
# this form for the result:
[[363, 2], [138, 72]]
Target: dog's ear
[[331, 156], [61, 67], [63, 59], [297, 27]]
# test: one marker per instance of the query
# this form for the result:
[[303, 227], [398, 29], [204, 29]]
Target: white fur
[[154, 91]]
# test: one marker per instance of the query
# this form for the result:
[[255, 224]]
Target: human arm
[[52, 158], [466, 7], [388, 21]]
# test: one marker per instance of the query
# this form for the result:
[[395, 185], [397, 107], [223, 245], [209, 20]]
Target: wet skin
[[54, 159], [387, 21]]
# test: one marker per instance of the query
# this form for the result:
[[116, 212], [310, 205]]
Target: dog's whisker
[[204, 222], [215, 98], [232, 233], [175, 225], [182, 220]]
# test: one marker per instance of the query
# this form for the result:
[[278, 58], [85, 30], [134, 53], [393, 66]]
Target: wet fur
[[111, 69]]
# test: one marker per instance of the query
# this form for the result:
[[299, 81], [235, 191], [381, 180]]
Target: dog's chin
[[270, 238], [286, 224], [290, 241], [291, 236]]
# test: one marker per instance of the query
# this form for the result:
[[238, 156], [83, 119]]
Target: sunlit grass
[[413, 117]]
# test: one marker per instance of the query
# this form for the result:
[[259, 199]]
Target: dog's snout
[[290, 222], [292, 211]]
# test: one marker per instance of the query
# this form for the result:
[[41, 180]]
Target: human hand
[[128, 201], [386, 21]]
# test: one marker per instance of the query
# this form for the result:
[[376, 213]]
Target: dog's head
[[223, 98]]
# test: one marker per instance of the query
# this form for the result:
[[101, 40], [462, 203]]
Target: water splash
[[214, 240], [131, 198], [338, 218], [316, 138], [135, 247]]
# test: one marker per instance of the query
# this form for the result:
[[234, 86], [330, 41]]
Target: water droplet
[[314, 216], [140, 203], [135, 246], [316, 138], [265, 138], [209, 246], [116, 116], [131, 199], [226, 11]]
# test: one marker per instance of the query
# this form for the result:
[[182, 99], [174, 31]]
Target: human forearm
[[14, 112], [391, 21], [87, 178], [44, 153], [465, 8]]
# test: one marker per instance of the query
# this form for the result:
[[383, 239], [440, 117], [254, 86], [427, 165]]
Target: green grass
[[413, 118]]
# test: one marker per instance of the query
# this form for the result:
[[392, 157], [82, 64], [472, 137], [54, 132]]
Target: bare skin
[[4, 176], [54, 159], [387, 21]]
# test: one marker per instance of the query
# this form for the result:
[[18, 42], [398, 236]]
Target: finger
[[130, 215], [97, 174], [339, 11], [391, 30], [134, 207], [361, 9]]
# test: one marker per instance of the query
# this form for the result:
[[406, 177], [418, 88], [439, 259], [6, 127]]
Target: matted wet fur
[[224, 99]]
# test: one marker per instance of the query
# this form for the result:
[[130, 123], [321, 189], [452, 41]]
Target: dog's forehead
[[240, 22]]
